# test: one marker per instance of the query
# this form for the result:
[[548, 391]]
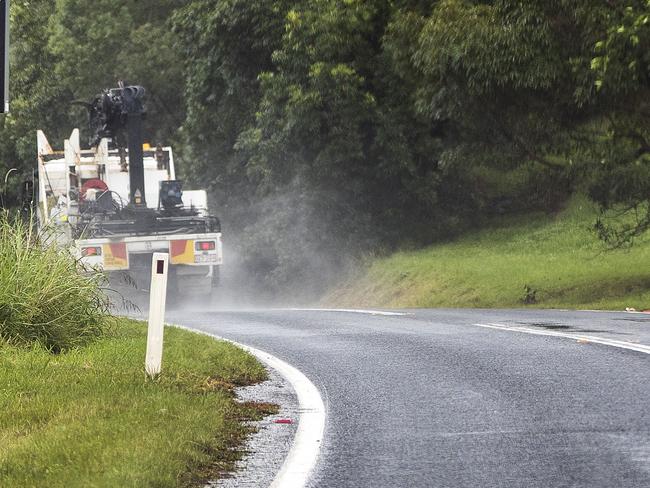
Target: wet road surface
[[427, 398]]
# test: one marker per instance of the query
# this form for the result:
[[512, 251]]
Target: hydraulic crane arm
[[116, 113]]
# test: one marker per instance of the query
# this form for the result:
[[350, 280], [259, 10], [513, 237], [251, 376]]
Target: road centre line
[[348, 310], [578, 337], [302, 456]]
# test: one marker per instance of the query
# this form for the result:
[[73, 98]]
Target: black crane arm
[[114, 114]]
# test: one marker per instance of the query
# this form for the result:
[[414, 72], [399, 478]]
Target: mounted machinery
[[119, 201]]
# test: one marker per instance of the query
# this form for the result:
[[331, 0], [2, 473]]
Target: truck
[[118, 201]]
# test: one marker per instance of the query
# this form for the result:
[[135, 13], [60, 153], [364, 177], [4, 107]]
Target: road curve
[[460, 398]]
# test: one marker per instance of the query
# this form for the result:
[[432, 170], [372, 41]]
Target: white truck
[[86, 197]]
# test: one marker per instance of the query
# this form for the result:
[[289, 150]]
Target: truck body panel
[[114, 241]]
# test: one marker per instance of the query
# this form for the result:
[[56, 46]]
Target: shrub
[[45, 296]]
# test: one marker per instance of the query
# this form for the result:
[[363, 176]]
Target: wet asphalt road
[[430, 400]]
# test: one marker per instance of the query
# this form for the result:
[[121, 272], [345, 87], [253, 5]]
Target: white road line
[[348, 310], [578, 337], [302, 457]]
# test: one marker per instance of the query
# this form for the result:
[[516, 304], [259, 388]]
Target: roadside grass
[[89, 417], [43, 296], [558, 258], [76, 408]]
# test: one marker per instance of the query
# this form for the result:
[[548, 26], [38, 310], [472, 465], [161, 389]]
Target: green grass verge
[[558, 256], [89, 417]]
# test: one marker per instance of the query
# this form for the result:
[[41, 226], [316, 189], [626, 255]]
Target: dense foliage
[[326, 128]]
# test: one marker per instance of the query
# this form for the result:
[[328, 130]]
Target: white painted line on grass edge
[[348, 310], [577, 337], [302, 457]]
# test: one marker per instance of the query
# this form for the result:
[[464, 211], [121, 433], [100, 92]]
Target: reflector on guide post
[[157, 291]]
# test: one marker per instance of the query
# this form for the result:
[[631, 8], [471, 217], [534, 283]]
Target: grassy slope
[[557, 256], [89, 418]]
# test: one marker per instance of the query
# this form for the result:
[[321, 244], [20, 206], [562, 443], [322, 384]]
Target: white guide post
[[157, 290]]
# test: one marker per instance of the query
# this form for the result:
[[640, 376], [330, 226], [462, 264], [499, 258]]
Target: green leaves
[[624, 62], [390, 118]]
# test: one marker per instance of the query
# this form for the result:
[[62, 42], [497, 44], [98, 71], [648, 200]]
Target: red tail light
[[205, 245], [91, 251]]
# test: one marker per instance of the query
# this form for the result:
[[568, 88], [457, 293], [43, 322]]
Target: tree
[[33, 92], [332, 116], [620, 183], [96, 43]]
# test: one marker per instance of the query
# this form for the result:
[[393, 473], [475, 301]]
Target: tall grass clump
[[45, 297]]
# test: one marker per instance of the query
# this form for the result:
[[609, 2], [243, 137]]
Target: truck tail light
[[91, 251], [205, 245]]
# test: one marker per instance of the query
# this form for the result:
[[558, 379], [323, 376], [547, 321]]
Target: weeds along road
[[429, 399]]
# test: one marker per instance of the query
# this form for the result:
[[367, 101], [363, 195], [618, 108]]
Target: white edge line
[[604, 311], [597, 340], [348, 310], [302, 456]]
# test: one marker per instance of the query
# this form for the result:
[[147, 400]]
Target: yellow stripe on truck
[[182, 251], [115, 256]]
